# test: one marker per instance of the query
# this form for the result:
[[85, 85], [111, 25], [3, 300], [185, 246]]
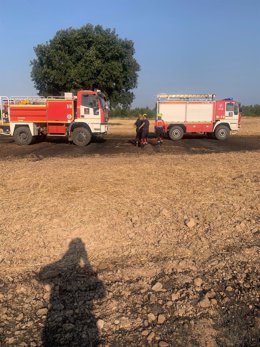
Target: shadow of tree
[[74, 285]]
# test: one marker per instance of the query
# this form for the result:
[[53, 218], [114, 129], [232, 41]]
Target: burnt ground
[[122, 145], [112, 245]]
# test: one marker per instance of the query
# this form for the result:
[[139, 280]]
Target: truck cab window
[[89, 101], [230, 107]]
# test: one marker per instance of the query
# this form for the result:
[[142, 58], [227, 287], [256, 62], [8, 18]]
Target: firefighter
[[138, 124], [159, 129], [145, 130]]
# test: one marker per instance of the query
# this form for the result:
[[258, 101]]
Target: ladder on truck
[[185, 97]]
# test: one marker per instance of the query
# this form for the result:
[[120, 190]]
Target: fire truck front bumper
[[103, 128]]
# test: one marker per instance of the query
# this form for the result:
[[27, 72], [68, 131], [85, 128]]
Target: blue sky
[[187, 46]]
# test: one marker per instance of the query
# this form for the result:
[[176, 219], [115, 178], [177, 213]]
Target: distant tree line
[[251, 110], [119, 112]]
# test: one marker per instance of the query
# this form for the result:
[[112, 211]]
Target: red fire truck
[[198, 113], [76, 117]]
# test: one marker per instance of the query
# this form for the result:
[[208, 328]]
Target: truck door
[[89, 107], [232, 114]]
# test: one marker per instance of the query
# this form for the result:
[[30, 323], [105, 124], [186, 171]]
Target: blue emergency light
[[229, 99]]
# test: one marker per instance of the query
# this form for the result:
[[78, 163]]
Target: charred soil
[[112, 245]]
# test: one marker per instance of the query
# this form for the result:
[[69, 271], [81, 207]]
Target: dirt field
[[112, 245]]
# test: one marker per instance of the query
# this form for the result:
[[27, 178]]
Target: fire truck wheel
[[23, 136], [176, 133], [222, 132], [81, 136]]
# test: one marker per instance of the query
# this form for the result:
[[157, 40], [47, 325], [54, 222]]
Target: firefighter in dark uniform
[[138, 124], [145, 130]]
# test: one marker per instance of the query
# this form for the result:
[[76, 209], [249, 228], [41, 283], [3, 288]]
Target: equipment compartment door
[[199, 112], [60, 111]]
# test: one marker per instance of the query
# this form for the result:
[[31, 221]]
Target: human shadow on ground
[[74, 285]]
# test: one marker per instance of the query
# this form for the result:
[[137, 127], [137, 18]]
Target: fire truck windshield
[[102, 102]]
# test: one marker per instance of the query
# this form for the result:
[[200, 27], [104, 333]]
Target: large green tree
[[87, 58]]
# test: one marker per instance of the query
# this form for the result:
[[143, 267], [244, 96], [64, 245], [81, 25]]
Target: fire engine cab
[[198, 113], [76, 117]]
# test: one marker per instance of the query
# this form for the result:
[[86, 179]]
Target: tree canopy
[[119, 112], [87, 58]]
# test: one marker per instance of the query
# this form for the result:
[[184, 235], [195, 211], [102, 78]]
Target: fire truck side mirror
[[107, 105]]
